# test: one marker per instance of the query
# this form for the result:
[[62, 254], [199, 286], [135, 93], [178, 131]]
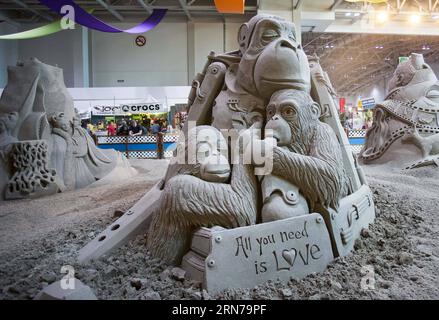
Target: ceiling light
[[348, 14], [415, 18], [436, 16], [382, 16], [356, 14]]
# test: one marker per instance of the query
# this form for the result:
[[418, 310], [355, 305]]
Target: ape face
[[271, 57], [211, 154], [291, 116]]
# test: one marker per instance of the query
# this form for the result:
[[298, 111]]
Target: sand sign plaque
[[247, 256]]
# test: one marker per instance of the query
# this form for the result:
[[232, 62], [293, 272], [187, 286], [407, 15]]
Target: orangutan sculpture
[[304, 144], [36, 106], [200, 197], [406, 124]]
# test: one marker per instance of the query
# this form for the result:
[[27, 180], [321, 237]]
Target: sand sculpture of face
[[272, 59], [8, 122], [60, 121], [291, 118], [412, 71], [211, 153]]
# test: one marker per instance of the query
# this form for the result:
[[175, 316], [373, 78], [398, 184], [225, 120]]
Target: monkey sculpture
[[198, 196], [307, 160]]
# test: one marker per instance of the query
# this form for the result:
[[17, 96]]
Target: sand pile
[[38, 237]]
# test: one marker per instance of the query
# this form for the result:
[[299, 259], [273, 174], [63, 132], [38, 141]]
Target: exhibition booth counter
[[140, 147]]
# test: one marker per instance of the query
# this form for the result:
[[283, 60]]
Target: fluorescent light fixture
[[356, 14], [348, 14], [382, 16], [415, 18]]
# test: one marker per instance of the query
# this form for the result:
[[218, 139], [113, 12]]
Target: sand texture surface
[[38, 237]]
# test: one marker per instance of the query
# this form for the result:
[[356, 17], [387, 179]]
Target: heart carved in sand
[[290, 256]]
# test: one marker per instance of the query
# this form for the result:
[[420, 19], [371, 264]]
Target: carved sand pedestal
[[31, 176], [284, 249], [286, 222], [248, 256]]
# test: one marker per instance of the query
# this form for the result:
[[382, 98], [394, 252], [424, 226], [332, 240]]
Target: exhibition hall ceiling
[[355, 61], [358, 43], [125, 10]]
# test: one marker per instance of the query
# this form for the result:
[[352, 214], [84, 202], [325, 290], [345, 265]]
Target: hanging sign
[[126, 109]]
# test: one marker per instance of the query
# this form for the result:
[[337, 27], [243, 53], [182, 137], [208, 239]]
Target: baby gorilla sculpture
[[196, 197], [307, 154]]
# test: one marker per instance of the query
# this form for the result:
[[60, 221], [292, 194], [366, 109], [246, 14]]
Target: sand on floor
[[38, 237]]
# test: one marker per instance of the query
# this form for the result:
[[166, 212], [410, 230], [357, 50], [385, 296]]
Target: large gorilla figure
[[231, 94]]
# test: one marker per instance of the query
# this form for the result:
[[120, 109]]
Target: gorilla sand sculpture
[[43, 147], [405, 130], [264, 184]]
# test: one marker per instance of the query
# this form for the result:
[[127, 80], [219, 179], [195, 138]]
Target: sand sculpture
[[233, 222], [406, 125], [43, 147]]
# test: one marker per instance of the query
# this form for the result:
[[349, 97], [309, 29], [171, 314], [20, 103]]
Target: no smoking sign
[[140, 41]]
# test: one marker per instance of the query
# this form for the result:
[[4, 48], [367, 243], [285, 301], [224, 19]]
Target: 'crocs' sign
[[124, 109]]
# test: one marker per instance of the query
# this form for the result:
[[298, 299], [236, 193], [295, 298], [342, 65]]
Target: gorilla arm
[[188, 203], [319, 175]]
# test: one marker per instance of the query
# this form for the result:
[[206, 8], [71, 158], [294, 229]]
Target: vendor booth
[[167, 105]]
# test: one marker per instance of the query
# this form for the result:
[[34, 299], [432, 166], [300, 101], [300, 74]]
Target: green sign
[[403, 59]]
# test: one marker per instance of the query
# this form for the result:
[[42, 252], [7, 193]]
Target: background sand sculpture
[[406, 125], [36, 106]]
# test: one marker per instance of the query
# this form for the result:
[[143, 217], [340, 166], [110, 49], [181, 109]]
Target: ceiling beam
[[24, 5], [145, 6], [8, 20], [335, 4], [183, 4], [110, 9]]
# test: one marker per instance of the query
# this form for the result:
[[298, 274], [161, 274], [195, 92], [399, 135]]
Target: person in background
[[111, 129], [90, 129], [135, 129], [163, 126], [155, 127], [84, 124], [123, 129], [101, 126], [144, 130], [147, 123]]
